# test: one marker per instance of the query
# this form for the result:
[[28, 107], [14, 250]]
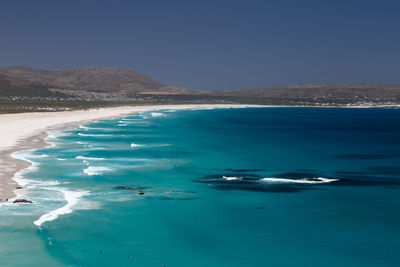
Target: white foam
[[84, 127], [93, 170], [55, 134], [29, 184], [23, 155], [72, 198], [44, 183], [38, 156], [157, 114], [232, 178], [89, 158], [95, 135], [122, 124], [51, 136], [135, 145], [319, 180]]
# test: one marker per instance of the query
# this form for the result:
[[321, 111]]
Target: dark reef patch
[[384, 170], [121, 187], [301, 180], [348, 179], [22, 201], [263, 188], [173, 198], [255, 183]]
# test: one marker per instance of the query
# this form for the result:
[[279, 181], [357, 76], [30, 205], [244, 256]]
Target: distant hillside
[[334, 93], [91, 79], [99, 84], [11, 86]]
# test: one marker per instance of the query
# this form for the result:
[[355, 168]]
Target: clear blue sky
[[209, 44]]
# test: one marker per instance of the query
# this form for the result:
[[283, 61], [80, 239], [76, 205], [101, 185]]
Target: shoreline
[[24, 131]]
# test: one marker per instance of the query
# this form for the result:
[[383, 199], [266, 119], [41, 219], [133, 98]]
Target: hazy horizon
[[210, 45]]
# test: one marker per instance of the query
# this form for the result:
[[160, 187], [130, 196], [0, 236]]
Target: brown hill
[[9, 81], [91, 79], [321, 92], [12, 86]]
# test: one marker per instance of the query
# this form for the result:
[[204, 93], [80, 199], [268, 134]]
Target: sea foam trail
[[52, 136], [19, 176], [318, 180], [93, 170], [157, 114], [83, 127], [89, 158], [232, 178], [96, 135], [135, 145], [72, 198], [86, 128]]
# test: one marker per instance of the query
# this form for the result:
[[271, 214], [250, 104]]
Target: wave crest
[[93, 170], [157, 114], [72, 198], [318, 180], [89, 158]]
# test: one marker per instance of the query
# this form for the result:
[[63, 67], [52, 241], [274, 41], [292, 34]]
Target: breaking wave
[[93, 170], [157, 114], [72, 198], [319, 180], [86, 128], [89, 158], [135, 145], [95, 135], [232, 178]]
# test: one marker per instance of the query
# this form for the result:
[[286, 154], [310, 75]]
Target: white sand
[[16, 127]]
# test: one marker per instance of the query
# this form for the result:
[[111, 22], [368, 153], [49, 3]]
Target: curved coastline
[[25, 131]]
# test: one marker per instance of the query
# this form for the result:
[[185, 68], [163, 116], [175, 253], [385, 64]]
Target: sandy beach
[[27, 131]]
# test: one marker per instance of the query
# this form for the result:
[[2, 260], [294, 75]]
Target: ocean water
[[218, 187]]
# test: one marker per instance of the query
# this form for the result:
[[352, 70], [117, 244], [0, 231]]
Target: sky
[[209, 44]]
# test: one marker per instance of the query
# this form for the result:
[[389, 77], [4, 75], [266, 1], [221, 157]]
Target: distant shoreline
[[23, 131]]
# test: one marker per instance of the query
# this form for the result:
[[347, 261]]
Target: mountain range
[[112, 83]]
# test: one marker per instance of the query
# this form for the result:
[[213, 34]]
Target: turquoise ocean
[[215, 187]]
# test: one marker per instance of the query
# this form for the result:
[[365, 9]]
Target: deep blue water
[[221, 187]]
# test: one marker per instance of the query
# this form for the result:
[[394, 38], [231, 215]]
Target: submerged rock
[[122, 187], [22, 201]]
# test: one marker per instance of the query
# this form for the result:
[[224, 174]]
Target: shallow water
[[237, 187]]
